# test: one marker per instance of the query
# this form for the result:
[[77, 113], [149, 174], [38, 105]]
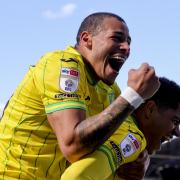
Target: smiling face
[[110, 49], [107, 50], [161, 127]]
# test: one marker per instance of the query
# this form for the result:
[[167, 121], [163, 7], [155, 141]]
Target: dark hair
[[93, 23], [168, 95]]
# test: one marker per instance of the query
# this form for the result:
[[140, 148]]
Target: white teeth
[[119, 58]]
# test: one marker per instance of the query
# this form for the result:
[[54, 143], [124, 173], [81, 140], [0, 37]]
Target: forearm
[[85, 135], [95, 130], [89, 133]]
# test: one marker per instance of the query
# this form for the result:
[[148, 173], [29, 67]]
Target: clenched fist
[[143, 80]]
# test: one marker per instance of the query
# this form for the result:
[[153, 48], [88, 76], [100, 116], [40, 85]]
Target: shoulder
[[69, 55]]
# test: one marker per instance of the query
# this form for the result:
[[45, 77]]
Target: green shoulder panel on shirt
[[65, 105]]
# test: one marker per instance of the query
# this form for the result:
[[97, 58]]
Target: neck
[[87, 61]]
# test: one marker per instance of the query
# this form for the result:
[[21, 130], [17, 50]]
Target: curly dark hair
[[168, 95]]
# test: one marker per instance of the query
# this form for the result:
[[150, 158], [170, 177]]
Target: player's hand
[[134, 170], [143, 80]]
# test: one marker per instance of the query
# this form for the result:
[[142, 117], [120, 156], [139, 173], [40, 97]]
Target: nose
[[125, 48]]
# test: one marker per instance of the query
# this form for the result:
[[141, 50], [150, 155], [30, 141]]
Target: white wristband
[[131, 96]]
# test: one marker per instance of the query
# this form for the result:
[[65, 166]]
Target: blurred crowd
[[165, 164]]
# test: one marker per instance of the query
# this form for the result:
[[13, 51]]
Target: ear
[[86, 39], [150, 107]]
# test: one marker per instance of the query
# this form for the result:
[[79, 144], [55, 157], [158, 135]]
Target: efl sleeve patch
[[69, 79], [129, 145]]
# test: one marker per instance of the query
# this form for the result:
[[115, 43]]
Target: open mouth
[[116, 62]]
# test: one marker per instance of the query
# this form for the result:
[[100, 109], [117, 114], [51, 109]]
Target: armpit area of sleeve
[[65, 105]]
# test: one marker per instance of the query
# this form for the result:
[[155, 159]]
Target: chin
[[108, 82]]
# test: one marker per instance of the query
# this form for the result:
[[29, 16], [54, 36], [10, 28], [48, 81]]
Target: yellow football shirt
[[122, 147], [28, 145]]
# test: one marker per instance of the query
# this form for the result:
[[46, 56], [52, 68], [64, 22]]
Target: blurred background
[[165, 164]]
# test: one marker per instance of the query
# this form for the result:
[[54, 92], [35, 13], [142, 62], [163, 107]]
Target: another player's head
[[104, 42], [160, 115]]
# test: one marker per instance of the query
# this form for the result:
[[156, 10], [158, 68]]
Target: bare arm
[[78, 135]]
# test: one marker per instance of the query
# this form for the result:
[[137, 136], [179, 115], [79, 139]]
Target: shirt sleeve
[[60, 80], [124, 145]]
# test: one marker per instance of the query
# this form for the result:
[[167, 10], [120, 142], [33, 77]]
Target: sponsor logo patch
[[134, 140], [117, 151], [70, 72], [129, 145], [66, 95], [69, 79]]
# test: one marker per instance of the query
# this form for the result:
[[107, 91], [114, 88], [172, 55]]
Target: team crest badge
[[69, 79], [129, 145]]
